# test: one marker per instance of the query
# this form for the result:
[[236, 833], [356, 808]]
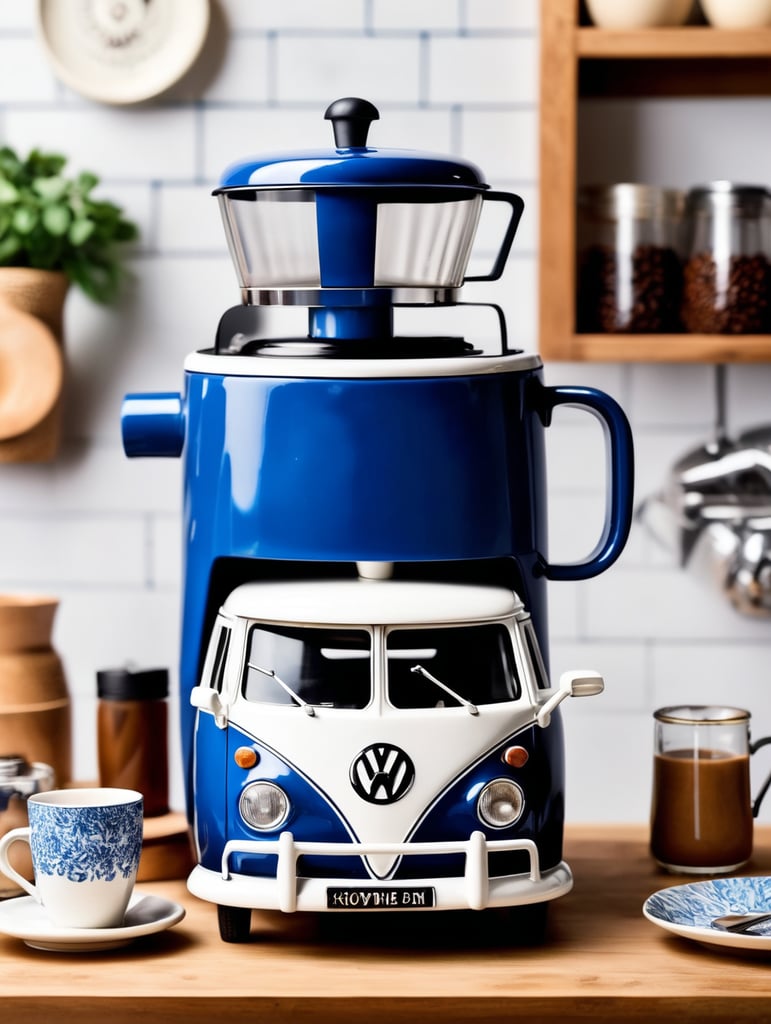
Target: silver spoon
[[739, 923]]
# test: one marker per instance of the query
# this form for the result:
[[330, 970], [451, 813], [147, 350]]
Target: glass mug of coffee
[[702, 810]]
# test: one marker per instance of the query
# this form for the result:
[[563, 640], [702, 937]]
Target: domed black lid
[[125, 684]]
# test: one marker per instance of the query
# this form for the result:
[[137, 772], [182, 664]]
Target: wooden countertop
[[601, 960]]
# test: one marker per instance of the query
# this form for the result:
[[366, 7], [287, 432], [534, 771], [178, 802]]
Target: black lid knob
[[351, 118]]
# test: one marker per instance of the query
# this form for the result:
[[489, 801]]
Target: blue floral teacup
[[85, 847]]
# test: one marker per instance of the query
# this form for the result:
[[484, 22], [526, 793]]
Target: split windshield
[[427, 668], [474, 664], [321, 667]]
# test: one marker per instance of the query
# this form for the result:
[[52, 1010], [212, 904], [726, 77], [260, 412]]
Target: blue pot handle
[[620, 451], [153, 424]]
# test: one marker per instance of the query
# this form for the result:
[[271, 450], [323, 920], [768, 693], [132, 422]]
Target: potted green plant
[[53, 232], [52, 222]]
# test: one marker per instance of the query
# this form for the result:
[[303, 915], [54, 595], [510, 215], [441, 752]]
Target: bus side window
[[220, 658], [541, 679]]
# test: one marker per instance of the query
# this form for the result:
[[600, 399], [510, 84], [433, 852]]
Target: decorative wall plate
[[122, 51]]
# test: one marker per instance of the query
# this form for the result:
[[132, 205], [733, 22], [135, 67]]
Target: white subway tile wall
[[104, 532]]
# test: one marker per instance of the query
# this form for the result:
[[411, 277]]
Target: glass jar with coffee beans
[[629, 267], [727, 272]]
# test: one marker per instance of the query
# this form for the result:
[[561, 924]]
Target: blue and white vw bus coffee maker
[[367, 716]]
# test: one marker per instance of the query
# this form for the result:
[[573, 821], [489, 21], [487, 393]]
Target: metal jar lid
[[627, 200], [18, 778], [751, 200]]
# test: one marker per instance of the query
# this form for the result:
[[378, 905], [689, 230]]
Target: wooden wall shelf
[[580, 62], [690, 43], [665, 348]]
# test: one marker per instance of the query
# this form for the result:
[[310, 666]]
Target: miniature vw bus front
[[373, 745]]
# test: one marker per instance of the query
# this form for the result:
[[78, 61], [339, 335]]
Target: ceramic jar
[[35, 712], [639, 13], [737, 13]]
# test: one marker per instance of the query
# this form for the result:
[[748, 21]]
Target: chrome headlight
[[264, 805], [500, 803]]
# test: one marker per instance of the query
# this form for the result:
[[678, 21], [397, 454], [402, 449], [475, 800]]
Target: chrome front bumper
[[287, 891]]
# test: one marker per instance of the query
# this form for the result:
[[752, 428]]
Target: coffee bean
[[640, 294], [730, 299]]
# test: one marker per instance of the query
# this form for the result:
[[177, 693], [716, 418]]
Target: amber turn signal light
[[515, 757], [246, 757]]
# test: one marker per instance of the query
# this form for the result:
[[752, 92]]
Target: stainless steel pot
[[714, 514], [19, 781]]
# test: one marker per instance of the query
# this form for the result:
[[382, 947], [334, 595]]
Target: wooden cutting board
[[166, 848]]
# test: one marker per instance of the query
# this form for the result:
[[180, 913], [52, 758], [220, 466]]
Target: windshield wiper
[[307, 708], [471, 708]]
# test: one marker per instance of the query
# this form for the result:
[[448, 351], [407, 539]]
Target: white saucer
[[688, 910], [25, 919]]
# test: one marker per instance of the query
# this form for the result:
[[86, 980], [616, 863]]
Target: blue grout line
[[199, 142], [369, 18], [149, 551], [456, 128], [271, 70], [424, 70]]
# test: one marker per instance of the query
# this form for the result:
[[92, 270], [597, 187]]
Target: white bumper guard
[[475, 889]]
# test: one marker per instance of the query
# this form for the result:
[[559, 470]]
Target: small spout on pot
[[375, 570]]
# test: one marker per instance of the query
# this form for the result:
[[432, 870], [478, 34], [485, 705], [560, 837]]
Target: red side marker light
[[515, 757], [246, 757]]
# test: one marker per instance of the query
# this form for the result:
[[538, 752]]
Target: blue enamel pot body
[[295, 462]]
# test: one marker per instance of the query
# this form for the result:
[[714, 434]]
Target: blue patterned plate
[[689, 910]]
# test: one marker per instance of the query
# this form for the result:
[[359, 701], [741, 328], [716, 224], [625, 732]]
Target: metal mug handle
[[767, 784], [620, 453], [16, 835], [517, 206]]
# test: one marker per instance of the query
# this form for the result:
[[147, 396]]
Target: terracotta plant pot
[[35, 712], [31, 362]]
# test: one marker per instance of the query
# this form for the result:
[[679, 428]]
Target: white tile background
[[103, 532]]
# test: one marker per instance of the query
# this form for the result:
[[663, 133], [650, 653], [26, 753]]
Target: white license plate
[[390, 898]]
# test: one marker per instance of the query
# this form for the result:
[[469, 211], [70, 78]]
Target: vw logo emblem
[[382, 773]]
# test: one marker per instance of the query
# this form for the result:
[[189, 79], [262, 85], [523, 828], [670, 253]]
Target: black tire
[[527, 924], [235, 923]]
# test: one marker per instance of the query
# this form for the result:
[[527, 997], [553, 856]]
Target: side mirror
[[572, 684], [206, 699]]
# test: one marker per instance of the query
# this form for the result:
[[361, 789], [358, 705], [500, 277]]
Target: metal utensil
[[739, 923], [714, 511]]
